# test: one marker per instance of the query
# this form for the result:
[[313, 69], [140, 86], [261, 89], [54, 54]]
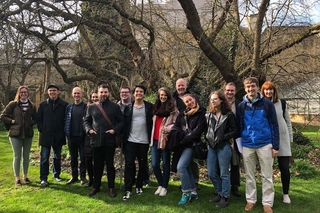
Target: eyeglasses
[[124, 92], [22, 92]]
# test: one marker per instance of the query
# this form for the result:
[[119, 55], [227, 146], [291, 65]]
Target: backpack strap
[[284, 106]]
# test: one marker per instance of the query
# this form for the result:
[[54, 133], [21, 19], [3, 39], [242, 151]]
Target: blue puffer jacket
[[67, 126], [258, 123]]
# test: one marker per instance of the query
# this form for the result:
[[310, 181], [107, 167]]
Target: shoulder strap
[[283, 104], [104, 114]]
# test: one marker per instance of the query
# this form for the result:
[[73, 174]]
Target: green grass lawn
[[59, 197]]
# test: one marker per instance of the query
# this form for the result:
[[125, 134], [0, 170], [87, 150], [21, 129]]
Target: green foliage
[[300, 151], [304, 170], [300, 139]]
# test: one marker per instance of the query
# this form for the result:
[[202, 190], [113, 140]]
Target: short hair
[[251, 80], [105, 86], [125, 87], [270, 85], [140, 86], [231, 84]]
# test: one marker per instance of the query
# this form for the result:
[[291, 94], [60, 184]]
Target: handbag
[[200, 149], [117, 137]]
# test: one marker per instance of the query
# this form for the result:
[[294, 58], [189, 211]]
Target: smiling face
[[215, 101], [24, 94], [163, 96], [125, 94], [53, 93], [103, 93], [230, 92], [77, 94], [94, 97], [181, 86], [251, 90], [138, 93], [189, 101], [268, 93]]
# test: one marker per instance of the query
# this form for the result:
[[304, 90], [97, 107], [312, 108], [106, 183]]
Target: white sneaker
[[163, 192], [126, 195], [286, 199], [139, 191], [158, 190]]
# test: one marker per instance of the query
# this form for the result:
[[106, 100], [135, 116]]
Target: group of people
[[258, 129]]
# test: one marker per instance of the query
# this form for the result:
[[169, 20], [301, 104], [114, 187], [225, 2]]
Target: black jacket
[[197, 124], [95, 120], [50, 122], [220, 134], [128, 120]]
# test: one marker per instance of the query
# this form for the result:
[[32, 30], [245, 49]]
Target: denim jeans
[[44, 161], [156, 155], [218, 162], [184, 169]]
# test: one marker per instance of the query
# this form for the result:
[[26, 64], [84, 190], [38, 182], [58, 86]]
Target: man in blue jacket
[[76, 135], [260, 140]]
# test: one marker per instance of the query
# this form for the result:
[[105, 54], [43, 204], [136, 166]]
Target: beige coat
[[167, 123]]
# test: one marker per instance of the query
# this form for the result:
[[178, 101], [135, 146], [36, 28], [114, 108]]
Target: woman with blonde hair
[[269, 91], [21, 115]]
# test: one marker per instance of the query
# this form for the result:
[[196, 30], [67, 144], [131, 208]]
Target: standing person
[[125, 97], [102, 135], [137, 135], [222, 127], [164, 117], [126, 100], [181, 90], [260, 140], [193, 122], [76, 135], [50, 122], [88, 155], [21, 114], [269, 91], [230, 92]]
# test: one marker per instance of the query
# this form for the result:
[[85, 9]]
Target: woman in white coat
[[269, 91]]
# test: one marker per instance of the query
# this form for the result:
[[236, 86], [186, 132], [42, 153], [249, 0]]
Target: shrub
[[300, 151], [304, 170], [300, 139]]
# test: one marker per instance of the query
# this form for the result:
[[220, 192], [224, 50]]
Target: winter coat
[[258, 123], [285, 130], [50, 122], [196, 126], [220, 133], [24, 121], [67, 127], [96, 121]]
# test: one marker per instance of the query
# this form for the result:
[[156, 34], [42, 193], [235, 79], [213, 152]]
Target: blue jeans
[[219, 158], [156, 154], [44, 161], [185, 172]]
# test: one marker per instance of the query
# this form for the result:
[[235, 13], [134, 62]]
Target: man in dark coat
[[102, 135], [50, 122]]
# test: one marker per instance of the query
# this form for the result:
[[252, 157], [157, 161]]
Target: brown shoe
[[112, 193], [267, 209], [249, 206], [93, 192]]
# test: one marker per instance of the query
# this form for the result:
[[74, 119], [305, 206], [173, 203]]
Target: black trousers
[[133, 151], [89, 166], [101, 156], [76, 148], [284, 162]]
